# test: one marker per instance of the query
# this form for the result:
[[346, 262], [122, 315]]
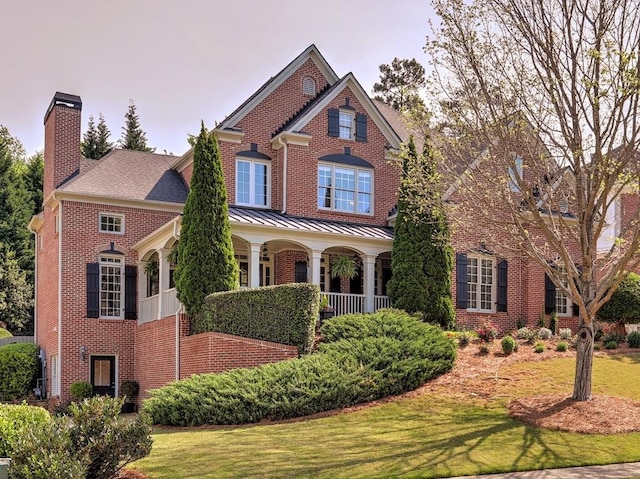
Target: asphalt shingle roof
[[133, 175]]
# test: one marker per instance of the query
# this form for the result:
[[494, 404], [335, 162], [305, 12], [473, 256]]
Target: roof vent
[[308, 86]]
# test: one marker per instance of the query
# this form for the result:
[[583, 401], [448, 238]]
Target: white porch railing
[[343, 303], [170, 303], [149, 309], [381, 302]]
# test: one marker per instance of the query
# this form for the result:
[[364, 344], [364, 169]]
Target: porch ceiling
[[275, 219]]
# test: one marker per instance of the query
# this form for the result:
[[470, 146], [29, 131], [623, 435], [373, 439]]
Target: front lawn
[[429, 434]]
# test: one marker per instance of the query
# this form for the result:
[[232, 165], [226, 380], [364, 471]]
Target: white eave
[[290, 138], [56, 196]]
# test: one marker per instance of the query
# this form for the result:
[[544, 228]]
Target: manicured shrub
[[596, 347], [564, 333], [487, 331], [611, 345], [362, 357], [284, 314], [80, 390], [539, 348], [544, 333], [5, 334], [509, 345], [562, 346], [16, 419], [523, 333], [634, 339], [624, 304], [614, 336], [18, 370], [553, 322]]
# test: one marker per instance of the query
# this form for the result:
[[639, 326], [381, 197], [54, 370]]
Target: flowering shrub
[[487, 331]]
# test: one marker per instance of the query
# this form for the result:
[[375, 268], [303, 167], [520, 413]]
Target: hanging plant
[[172, 258], [344, 267], [151, 267]]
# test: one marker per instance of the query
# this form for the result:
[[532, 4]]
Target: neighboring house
[[309, 176]]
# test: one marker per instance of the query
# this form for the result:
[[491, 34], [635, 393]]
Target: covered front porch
[[270, 249]]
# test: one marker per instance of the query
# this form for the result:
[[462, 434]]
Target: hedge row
[[18, 370], [283, 314], [364, 357]]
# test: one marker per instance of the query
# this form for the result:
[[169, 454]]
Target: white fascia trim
[[290, 138], [183, 161], [310, 53], [164, 233], [58, 196], [350, 81]]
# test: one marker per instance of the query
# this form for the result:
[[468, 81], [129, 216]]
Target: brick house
[[308, 174]]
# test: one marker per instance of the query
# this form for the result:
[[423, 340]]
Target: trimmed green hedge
[[363, 357], [18, 370], [283, 314]]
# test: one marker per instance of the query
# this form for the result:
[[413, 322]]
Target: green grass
[[427, 436]]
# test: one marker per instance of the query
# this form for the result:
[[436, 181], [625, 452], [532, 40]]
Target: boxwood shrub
[[18, 370], [284, 314], [363, 357], [15, 420]]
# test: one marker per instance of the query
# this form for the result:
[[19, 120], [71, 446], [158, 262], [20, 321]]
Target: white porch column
[[369, 271], [163, 280], [315, 257], [254, 265], [142, 287]]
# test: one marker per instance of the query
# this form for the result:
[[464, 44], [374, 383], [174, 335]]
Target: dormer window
[[308, 86]]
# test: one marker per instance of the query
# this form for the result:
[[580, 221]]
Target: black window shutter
[[462, 287], [301, 272], [361, 127], [502, 286], [334, 122], [549, 295], [575, 309], [93, 290], [130, 291]]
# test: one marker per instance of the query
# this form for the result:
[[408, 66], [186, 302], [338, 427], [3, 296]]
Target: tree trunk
[[584, 362]]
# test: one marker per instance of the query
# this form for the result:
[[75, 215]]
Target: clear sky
[[181, 61]]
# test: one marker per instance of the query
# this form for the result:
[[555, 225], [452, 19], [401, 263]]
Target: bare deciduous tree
[[541, 105]]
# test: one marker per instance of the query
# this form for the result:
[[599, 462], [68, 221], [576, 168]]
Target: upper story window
[[515, 174], [111, 287], [346, 125], [253, 182], [111, 223], [563, 304], [481, 283], [345, 189], [308, 86]]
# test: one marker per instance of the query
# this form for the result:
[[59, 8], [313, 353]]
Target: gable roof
[[298, 122], [130, 175], [274, 82]]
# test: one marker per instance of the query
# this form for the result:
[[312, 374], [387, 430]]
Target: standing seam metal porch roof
[[238, 215]]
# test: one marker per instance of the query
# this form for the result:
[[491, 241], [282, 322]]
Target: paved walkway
[[611, 471]]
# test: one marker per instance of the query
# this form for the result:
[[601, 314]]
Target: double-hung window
[[481, 281], [345, 189], [345, 123], [111, 287], [252, 183], [563, 305]]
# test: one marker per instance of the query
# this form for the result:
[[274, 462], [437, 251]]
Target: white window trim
[[494, 282], [357, 170], [112, 215], [352, 115], [516, 174], [120, 263], [560, 291], [252, 179]]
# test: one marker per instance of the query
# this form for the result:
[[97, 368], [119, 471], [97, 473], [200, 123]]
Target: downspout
[[59, 365], [284, 176], [176, 235]]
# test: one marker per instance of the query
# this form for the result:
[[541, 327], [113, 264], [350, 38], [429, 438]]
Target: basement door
[[103, 375]]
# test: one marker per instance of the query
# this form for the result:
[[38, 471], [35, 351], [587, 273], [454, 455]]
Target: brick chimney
[[61, 140]]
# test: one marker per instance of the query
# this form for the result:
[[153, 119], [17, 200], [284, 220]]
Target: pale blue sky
[[183, 61]]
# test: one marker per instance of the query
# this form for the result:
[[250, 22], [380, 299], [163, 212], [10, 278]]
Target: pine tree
[[400, 84], [16, 295], [133, 138], [103, 145], [422, 258], [33, 180], [206, 262], [88, 146]]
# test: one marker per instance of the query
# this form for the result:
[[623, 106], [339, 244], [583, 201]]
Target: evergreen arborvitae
[[206, 262], [33, 180], [422, 258], [133, 138], [88, 146]]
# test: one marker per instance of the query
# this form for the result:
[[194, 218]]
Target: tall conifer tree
[[206, 262], [88, 146], [422, 258], [133, 137]]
